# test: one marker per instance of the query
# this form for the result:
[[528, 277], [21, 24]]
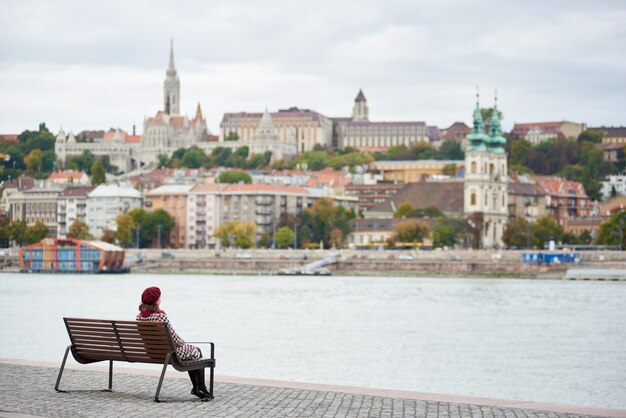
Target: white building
[[107, 201], [71, 205], [486, 178], [615, 183]]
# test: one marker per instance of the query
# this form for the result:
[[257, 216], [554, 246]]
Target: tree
[[592, 136], [126, 230], [336, 238], [613, 231], [405, 210], [18, 232], [284, 237], [449, 170], [5, 234], [264, 240], [157, 226], [98, 175], [234, 177], [163, 161], [236, 234], [318, 222], [544, 229], [451, 150], [444, 234], [79, 230], [36, 232], [517, 233], [82, 162], [108, 235], [33, 161], [194, 157], [411, 231]]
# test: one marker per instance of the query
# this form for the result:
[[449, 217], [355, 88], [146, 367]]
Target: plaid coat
[[184, 351]]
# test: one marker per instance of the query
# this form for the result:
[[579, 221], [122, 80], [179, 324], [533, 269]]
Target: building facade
[[173, 199], [614, 185], [38, 204], [537, 132], [412, 171], [359, 133], [486, 177], [565, 199], [307, 127], [71, 205], [107, 201], [612, 135]]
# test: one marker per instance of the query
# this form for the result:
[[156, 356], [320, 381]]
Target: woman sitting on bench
[[149, 310]]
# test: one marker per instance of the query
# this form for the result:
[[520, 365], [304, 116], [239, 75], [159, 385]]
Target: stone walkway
[[28, 390]]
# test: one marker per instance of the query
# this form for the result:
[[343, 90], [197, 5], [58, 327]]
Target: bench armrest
[[205, 342]]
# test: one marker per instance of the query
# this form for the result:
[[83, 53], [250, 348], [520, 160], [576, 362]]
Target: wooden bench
[[96, 340]]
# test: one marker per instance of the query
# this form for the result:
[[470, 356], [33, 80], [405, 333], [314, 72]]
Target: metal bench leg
[[211, 382], [56, 387], [110, 376], [167, 361]]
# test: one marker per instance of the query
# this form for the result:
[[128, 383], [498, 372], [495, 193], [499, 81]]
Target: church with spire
[[486, 178], [168, 130]]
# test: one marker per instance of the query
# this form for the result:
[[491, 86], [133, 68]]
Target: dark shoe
[[203, 394]]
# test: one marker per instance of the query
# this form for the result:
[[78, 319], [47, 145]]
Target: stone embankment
[[27, 389], [415, 263]]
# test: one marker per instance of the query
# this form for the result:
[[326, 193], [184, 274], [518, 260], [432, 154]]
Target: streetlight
[[295, 236]]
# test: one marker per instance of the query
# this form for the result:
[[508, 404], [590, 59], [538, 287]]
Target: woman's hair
[[152, 308]]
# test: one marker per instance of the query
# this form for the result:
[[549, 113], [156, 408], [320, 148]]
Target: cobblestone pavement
[[29, 390]]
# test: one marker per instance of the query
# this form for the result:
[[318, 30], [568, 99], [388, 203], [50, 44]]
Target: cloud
[[96, 65]]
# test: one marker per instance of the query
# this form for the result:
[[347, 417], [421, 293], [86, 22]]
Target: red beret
[[150, 295]]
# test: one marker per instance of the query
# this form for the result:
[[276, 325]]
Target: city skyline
[[96, 67]]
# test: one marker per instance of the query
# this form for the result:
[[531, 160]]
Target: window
[[473, 170], [473, 199]]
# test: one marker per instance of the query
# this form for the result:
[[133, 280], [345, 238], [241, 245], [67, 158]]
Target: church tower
[[171, 87], [486, 177], [360, 110]]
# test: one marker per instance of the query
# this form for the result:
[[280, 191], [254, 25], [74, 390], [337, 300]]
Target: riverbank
[[27, 388], [437, 263], [462, 263]]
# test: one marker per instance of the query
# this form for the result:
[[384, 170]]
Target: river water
[[535, 340]]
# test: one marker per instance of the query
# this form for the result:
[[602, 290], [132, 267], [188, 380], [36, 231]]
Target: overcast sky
[[94, 65]]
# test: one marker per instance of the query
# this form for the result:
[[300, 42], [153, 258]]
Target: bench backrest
[[132, 341]]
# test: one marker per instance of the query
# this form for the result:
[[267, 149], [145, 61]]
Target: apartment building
[[107, 201], [173, 199], [71, 205], [565, 199]]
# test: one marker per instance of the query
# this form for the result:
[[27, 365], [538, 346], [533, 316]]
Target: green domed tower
[[496, 141], [486, 180], [477, 138]]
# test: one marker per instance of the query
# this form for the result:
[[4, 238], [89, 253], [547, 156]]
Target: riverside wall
[[437, 263]]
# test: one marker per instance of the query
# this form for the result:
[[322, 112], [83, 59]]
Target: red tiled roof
[[9, 137], [523, 128], [559, 186], [81, 191], [66, 175], [132, 139]]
